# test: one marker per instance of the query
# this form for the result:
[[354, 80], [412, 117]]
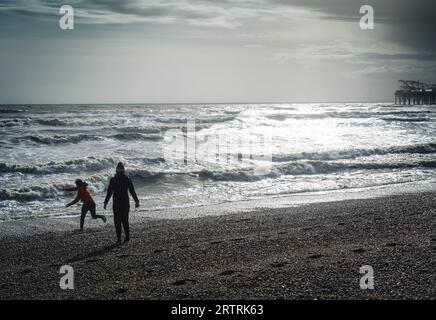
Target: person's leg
[[85, 209], [93, 213], [125, 221], [117, 222]]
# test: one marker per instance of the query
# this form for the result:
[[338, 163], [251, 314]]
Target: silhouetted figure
[[88, 202], [118, 187]]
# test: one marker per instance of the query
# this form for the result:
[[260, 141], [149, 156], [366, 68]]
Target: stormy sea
[[194, 155]]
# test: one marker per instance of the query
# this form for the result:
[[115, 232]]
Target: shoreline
[[61, 223], [312, 251]]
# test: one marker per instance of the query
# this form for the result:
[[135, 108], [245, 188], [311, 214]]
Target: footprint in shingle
[[278, 264], [183, 282], [26, 271], [360, 250], [315, 256], [93, 260], [159, 250], [121, 290], [392, 244]]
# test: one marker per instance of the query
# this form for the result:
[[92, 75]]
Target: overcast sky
[[148, 51]]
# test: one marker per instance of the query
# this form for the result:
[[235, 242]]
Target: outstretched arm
[[77, 199], [110, 191], [70, 189], [133, 193]]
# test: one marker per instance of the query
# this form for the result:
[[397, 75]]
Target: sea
[[199, 155]]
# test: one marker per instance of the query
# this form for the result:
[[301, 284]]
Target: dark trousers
[[88, 207], [121, 217]]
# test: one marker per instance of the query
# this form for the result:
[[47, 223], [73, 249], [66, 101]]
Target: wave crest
[[427, 148], [86, 164]]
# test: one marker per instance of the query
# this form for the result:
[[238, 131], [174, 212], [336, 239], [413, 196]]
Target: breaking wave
[[181, 120], [306, 167], [31, 193], [74, 139], [11, 111], [56, 139], [135, 136], [384, 115], [86, 164], [52, 122], [418, 119], [355, 153], [70, 166]]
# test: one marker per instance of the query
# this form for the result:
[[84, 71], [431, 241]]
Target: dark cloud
[[409, 23], [400, 56], [405, 22], [213, 13], [386, 10]]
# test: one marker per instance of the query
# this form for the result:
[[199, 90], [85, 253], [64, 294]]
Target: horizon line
[[192, 103]]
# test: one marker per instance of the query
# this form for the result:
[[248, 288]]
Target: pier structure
[[415, 93]]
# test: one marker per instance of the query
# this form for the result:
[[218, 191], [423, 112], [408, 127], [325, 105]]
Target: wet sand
[[312, 251]]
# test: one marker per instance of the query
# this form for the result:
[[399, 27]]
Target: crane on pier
[[412, 85]]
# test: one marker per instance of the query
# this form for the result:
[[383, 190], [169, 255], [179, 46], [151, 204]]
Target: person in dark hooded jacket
[[119, 187], [88, 202]]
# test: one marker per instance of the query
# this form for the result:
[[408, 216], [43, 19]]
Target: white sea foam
[[315, 147]]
